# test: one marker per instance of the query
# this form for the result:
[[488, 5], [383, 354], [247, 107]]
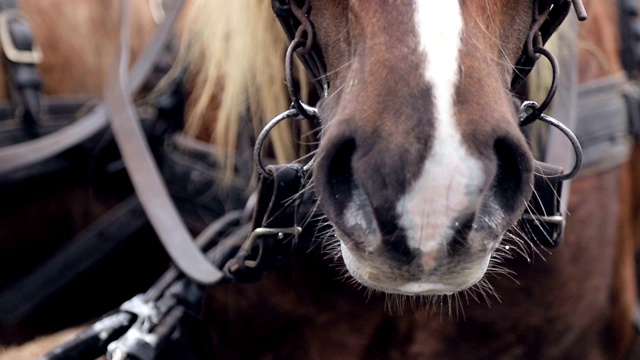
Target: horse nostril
[[512, 177], [338, 174]]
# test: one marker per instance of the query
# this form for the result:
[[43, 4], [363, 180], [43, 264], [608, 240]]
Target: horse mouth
[[432, 231], [454, 260], [378, 274]]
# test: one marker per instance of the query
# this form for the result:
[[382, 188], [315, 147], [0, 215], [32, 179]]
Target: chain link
[[301, 44], [534, 49]]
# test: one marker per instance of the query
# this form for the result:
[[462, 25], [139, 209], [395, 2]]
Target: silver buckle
[[33, 56]]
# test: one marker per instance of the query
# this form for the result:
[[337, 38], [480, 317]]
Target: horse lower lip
[[427, 289]]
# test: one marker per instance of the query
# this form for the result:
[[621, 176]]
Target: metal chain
[[534, 49], [530, 111], [301, 44]]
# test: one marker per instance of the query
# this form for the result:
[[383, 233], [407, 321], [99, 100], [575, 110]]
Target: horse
[[421, 168]]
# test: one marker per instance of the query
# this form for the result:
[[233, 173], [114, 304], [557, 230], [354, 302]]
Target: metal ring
[[532, 106], [528, 118], [292, 113]]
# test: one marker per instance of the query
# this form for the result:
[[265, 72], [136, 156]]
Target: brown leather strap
[[31, 152], [144, 172]]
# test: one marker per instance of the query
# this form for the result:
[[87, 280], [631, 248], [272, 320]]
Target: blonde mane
[[233, 54]]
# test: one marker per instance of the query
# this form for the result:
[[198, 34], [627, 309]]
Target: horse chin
[[448, 277]]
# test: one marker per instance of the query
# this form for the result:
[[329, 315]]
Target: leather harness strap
[[21, 54], [73, 259], [630, 55], [606, 144], [629, 36], [144, 172], [275, 224]]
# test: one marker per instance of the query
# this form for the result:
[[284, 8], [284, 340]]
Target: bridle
[[547, 16]]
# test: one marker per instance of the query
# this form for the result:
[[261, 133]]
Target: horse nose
[[513, 175], [344, 198], [337, 168], [412, 203], [384, 188]]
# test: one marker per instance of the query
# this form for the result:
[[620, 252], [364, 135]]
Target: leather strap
[[605, 122], [21, 54], [144, 172], [629, 36], [77, 257], [313, 60], [546, 226], [559, 9], [57, 112]]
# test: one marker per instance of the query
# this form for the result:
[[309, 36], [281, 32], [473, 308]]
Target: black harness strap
[[630, 55], [21, 55], [150, 323], [547, 226], [629, 36], [550, 198], [275, 225], [79, 256]]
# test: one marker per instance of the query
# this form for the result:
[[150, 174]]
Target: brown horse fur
[[576, 303], [82, 33]]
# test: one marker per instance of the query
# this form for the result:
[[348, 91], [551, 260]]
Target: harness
[[236, 249]]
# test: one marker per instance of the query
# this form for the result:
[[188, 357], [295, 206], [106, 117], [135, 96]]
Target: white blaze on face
[[450, 178]]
